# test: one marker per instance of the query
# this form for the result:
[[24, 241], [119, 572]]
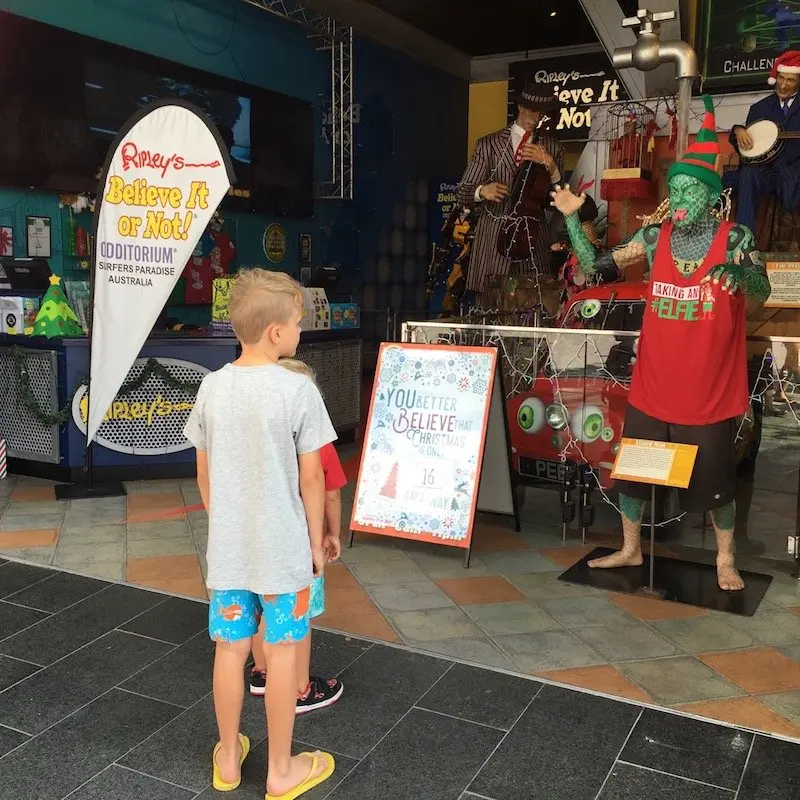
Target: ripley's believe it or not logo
[[150, 420]]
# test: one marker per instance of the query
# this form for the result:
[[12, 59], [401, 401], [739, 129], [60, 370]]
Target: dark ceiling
[[499, 26]]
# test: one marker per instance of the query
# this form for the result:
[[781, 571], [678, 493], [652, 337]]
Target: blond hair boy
[[258, 429]]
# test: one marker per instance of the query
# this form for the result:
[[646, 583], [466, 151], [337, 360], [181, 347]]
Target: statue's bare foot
[[619, 559], [728, 576]]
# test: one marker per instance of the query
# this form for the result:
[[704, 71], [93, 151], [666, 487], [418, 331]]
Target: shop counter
[[43, 401]]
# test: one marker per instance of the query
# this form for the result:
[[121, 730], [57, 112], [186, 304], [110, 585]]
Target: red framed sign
[[424, 443]]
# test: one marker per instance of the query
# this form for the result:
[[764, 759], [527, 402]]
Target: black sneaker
[[258, 682], [321, 693]]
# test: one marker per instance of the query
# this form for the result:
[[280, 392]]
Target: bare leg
[[303, 664], [724, 521], [259, 658], [631, 553], [284, 771], [229, 661]]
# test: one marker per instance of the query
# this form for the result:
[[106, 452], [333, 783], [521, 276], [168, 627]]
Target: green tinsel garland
[[27, 398]]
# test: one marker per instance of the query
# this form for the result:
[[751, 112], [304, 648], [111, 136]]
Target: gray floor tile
[[96, 512], [773, 771], [85, 553], [784, 592], [396, 568], [118, 783], [35, 555], [679, 680], [481, 651], [183, 677], [15, 577], [152, 487], [16, 618], [58, 592], [174, 620], [519, 562], [585, 612], [35, 508], [627, 642], [94, 737], [254, 773], [434, 624], [52, 694], [416, 596], [546, 586], [627, 782], [480, 695], [79, 624], [180, 753], [442, 563], [9, 740], [13, 671], [547, 650], [153, 548], [561, 749], [103, 570], [372, 703], [426, 755], [373, 549], [507, 618], [143, 531], [74, 533], [787, 704], [704, 634], [689, 748], [791, 651], [773, 627]]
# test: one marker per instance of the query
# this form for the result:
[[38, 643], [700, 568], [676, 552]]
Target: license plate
[[553, 471]]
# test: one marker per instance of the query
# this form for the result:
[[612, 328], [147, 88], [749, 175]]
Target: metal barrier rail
[[557, 364]]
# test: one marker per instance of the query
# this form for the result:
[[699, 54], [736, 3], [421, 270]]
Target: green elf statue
[[689, 382]]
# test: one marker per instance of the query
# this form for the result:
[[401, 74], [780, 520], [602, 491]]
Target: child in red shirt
[[312, 692]]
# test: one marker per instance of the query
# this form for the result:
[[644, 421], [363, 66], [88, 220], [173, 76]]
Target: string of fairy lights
[[575, 354]]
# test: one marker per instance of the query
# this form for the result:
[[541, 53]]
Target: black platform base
[[85, 491], [678, 581]]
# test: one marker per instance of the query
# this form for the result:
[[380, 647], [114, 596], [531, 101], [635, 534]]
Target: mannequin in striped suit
[[486, 184]]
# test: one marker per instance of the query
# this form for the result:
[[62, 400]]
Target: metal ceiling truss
[[328, 34]]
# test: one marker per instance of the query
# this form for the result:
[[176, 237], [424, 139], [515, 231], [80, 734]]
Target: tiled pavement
[[507, 611], [104, 695]]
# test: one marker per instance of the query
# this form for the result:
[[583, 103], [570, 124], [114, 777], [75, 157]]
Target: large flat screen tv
[[65, 96]]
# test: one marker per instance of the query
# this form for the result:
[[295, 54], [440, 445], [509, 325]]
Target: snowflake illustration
[[463, 384], [479, 386]]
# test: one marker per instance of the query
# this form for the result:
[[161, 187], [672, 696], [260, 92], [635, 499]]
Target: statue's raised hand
[[567, 202]]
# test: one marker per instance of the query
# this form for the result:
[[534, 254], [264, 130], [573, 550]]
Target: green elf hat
[[700, 159]]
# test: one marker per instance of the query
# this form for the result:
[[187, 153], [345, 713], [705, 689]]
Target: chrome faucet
[[649, 51]]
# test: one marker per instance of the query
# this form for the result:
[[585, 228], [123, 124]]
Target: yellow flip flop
[[220, 784], [310, 782]]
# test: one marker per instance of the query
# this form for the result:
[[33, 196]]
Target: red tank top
[[691, 365]]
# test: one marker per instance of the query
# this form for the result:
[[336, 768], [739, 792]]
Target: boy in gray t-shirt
[[258, 430]]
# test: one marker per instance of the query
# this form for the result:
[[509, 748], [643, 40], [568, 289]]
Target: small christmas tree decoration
[[390, 487], [55, 317]]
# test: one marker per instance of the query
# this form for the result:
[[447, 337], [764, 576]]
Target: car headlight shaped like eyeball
[[557, 416], [531, 415], [587, 424]]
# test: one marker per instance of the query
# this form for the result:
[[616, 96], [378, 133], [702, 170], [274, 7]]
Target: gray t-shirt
[[254, 422]]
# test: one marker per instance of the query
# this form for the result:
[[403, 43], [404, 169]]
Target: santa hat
[[785, 62], [700, 159]]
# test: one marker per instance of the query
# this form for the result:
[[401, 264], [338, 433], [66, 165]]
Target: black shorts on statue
[[713, 482]]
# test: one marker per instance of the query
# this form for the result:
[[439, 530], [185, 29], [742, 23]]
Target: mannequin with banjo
[[769, 144]]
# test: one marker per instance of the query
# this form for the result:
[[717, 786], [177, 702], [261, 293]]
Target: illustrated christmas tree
[[390, 487], [55, 317]]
